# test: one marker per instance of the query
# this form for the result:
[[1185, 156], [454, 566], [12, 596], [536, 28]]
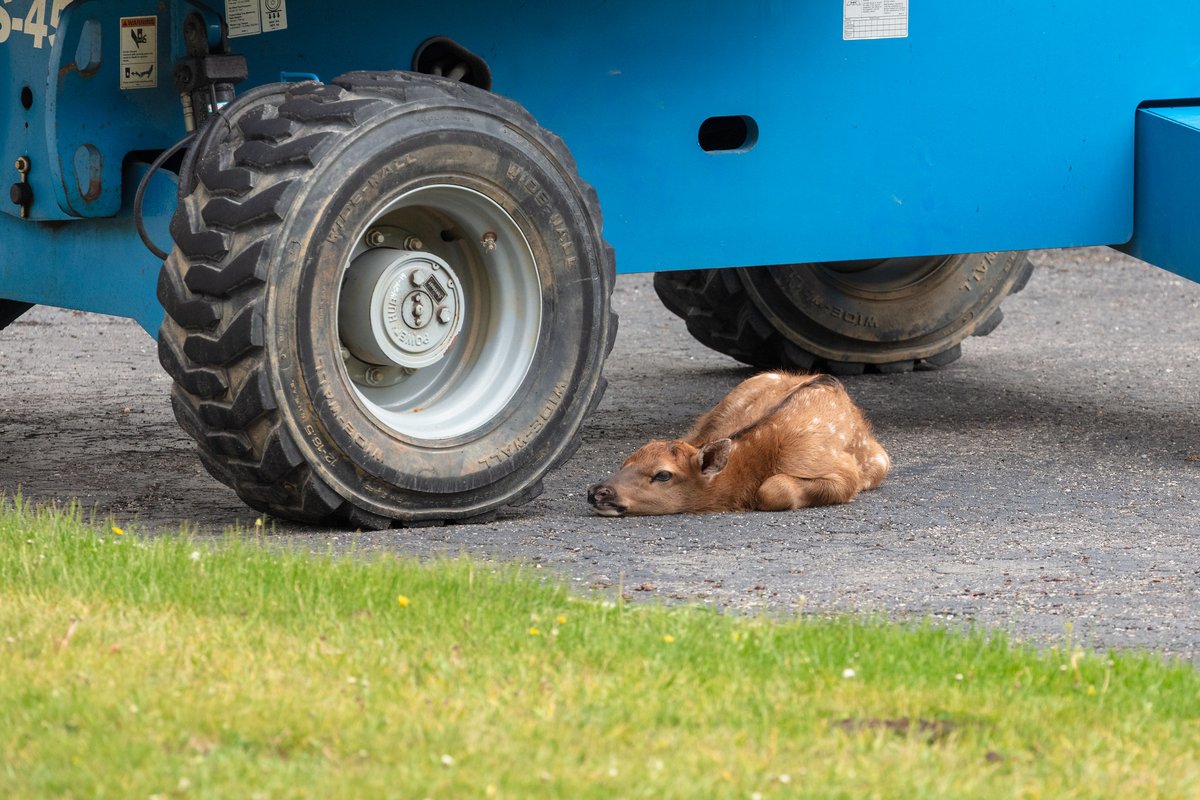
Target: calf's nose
[[600, 494]]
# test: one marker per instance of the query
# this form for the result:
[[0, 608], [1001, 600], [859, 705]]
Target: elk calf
[[777, 442]]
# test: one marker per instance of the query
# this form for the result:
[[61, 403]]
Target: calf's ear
[[714, 456]]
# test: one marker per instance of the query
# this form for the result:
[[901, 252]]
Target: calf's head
[[662, 478]]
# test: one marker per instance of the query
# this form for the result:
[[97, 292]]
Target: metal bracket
[[1166, 200], [205, 79]]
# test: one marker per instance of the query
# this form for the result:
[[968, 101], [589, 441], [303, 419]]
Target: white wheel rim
[[469, 367]]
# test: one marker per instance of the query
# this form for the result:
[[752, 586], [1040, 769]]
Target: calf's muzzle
[[604, 499]]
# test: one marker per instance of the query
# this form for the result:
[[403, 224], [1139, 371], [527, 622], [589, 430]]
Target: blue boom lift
[[386, 282]]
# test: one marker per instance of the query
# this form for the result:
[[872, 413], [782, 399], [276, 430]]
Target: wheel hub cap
[[400, 308]]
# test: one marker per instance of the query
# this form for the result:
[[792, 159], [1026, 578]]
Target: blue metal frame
[[1167, 194], [997, 126], [96, 265]]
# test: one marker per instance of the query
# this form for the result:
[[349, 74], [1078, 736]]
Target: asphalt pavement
[[1048, 482]]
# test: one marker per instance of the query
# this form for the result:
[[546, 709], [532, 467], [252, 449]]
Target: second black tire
[[886, 315]]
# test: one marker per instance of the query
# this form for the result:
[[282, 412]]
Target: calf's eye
[[661, 477]]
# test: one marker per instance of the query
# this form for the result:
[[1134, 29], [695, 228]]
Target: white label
[[139, 52], [242, 17], [874, 19], [274, 15], [248, 17]]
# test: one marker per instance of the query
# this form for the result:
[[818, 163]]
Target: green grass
[[137, 668]]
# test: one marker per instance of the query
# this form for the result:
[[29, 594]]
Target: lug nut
[[488, 240], [374, 376], [413, 243], [375, 238]]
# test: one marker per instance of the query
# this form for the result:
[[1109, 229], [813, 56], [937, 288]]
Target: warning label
[[139, 52], [874, 19], [248, 17]]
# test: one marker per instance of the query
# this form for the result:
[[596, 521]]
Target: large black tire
[[845, 317], [322, 401]]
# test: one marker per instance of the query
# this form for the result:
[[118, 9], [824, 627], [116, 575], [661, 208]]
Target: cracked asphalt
[[1048, 481]]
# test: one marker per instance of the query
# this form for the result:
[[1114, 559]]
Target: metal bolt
[[373, 376], [445, 315], [345, 354], [418, 277], [20, 192], [488, 240], [375, 238], [413, 243]]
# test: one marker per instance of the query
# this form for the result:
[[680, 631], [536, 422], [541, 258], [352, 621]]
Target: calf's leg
[[874, 467], [787, 492]]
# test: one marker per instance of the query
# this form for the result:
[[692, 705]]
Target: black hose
[[140, 195]]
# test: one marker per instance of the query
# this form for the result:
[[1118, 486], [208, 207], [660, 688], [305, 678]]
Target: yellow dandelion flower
[[403, 601], [534, 632], [561, 619], [668, 638], [117, 531], [1091, 691]]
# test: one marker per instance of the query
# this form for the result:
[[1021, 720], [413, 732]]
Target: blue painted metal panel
[[1167, 199], [93, 123], [1003, 125], [79, 124], [98, 265], [26, 74], [995, 126]]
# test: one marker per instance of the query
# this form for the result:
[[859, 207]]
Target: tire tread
[[719, 313]]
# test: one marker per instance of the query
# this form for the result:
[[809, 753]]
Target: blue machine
[[837, 153]]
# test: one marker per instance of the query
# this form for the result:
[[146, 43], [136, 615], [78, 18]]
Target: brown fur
[[778, 441]]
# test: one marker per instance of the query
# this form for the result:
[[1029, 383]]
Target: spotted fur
[[778, 441]]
